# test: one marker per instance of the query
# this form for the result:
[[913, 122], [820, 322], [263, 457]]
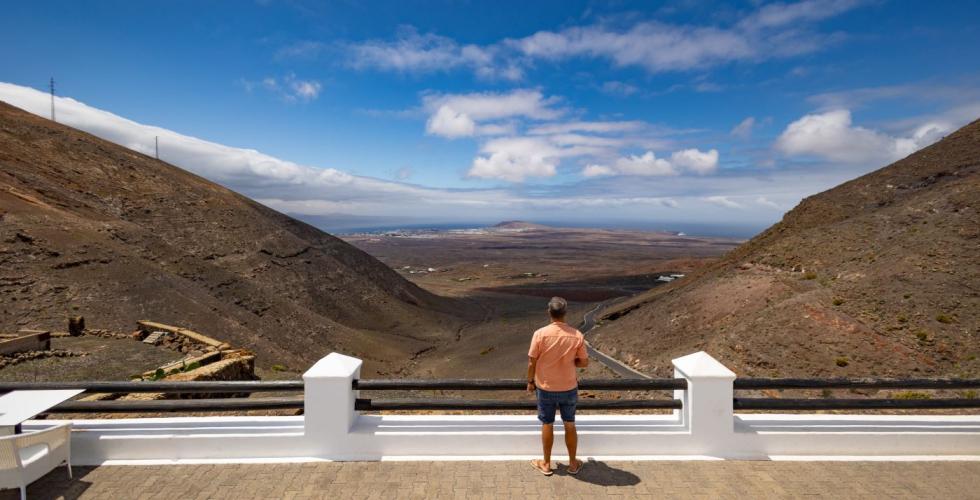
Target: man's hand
[[532, 365]]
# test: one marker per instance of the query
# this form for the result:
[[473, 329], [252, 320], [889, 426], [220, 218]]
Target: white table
[[18, 406]]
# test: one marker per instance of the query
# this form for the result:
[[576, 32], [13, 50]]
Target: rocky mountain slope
[[877, 276], [90, 228]]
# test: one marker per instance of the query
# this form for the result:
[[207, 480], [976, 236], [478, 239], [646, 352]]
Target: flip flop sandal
[[534, 464], [576, 471]]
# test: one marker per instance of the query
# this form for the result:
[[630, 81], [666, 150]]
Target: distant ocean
[[408, 227], [690, 229]]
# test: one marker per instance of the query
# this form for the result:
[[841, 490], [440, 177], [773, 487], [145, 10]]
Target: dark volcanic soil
[[90, 228], [593, 264], [511, 273], [878, 276], [104, 359]]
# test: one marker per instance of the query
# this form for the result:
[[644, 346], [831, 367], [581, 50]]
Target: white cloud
[[777, 15], [583, 126], [448, 122], [744, 128], [526, 103], [696, 161], [652, 45], [687, 160], [457, 115], [505, 128], [597, 170], [964, 97], [404, 173], [855, 98], [268, 83], [412, 51], [614, 87], [288, 88], [591, 202], [305, 89], [593, 141], [512, 167], [308, 190], [722, 201], [216, 160], [775, 30], [705, 87], [832, 136], [765, 202], [516, 158], [645, 164]]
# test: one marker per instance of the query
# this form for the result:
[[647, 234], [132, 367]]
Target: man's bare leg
[[547, 441], [571, 442]]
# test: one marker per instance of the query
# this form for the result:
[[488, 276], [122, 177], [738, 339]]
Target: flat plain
[[510, 271]]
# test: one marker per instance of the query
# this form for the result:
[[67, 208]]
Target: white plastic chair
[[25, 458]]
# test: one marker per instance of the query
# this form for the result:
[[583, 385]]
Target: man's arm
[[532, 360], [532, 364], [582, 355]]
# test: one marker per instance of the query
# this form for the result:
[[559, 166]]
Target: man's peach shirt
[[556, 347]]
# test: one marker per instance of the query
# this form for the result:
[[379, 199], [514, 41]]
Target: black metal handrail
[[853, 404], [514, 384], [503, 404], [673, 384], [189, 387], [668, 384], [854, 383], [250, 386], [174, 405], [511, 384], [170, 405], [246, 387], [914, 402]]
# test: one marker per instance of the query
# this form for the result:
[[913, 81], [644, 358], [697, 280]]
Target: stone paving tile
[[494, 480]]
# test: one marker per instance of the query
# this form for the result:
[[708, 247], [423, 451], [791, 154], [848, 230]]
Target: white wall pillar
[[328, 406], [708, 410]]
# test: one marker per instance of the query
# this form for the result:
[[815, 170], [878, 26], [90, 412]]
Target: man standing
[[556, 350]]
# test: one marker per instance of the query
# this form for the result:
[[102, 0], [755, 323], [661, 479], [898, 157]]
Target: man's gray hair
[[556, 307]]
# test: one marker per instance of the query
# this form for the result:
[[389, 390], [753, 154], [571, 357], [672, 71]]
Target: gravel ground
[[107, 359]]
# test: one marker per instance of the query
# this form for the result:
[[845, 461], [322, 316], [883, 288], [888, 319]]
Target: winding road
[[617, 366]]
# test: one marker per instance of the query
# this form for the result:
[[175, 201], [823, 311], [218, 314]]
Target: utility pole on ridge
[[52, 100]]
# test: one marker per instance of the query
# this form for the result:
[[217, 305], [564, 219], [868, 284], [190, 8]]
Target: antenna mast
[[52, 100], [156, 144]]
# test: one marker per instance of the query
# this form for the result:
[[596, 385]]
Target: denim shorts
[[549, 401]]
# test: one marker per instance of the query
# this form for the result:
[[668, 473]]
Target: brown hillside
[[878, 276], [89, 227]]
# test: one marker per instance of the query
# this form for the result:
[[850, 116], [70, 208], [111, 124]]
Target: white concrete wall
[[706, 428]]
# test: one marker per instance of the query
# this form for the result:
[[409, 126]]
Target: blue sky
[[583, 112]]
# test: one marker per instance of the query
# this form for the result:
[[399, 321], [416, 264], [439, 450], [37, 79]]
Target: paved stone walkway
[[390, 480]]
